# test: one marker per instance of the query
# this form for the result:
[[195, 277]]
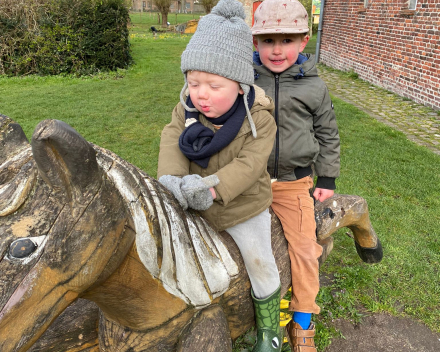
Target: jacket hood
[[262, 101], [304, 66]]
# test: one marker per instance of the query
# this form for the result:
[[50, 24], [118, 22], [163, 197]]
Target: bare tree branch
[[164, 8], [208, 5]]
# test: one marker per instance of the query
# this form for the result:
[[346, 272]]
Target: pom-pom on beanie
[[222, 45]]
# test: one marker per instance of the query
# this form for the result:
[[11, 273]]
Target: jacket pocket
[[255, 189]]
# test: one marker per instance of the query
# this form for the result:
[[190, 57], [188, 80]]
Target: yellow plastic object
[[284, 318], [285, 340], [284, 304], [191, 26]]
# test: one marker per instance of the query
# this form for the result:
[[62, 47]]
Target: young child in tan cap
[[307, 137], [213, 154]]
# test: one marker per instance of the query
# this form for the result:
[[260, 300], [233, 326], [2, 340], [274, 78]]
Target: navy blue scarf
[[198, 143]]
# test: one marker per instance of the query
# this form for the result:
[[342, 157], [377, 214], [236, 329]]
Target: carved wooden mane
[[178, 248]]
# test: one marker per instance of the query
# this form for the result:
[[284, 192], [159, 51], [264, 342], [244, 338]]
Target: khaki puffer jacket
[[244, 190], [307, 130]]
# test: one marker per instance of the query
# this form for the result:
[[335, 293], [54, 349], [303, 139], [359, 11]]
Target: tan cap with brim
[[280, 16]]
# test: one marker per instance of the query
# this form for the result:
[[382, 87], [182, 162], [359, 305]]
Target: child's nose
[[277, 48], [202, 92]]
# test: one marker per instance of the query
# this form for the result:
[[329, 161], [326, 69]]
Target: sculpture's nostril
[[22, 248]]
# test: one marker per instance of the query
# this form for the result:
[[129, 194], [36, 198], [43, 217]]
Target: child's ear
[[255, 40], [304, 42]]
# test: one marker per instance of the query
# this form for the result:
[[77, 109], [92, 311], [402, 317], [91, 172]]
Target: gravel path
[[419, 123]]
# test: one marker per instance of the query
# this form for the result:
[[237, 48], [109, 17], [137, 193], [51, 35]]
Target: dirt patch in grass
[[380, 332], [384, 333]]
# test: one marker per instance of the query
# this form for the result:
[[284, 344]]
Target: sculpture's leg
[[208, 332], [117, 338], [327, 246], [75, 330]]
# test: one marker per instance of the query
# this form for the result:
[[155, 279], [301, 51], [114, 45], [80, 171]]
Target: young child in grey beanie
[[213, 154]]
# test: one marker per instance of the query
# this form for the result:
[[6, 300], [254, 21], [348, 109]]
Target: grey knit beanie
[[222, 45]]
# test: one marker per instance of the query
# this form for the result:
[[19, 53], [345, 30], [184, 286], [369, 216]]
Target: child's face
[[279, 51], [211, 94]]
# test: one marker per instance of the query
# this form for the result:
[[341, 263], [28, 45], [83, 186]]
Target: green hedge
[[64, 37]]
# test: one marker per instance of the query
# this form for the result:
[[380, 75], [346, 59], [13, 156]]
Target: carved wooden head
[[62, 227]]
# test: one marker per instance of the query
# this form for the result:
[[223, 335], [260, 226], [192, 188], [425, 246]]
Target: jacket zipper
[[277, 138]]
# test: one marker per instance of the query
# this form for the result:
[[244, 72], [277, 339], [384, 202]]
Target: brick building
[[393, 44], [179, 6]]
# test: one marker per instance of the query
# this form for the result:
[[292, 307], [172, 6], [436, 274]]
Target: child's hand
[[173, 183], [322, 194], [196, 190]]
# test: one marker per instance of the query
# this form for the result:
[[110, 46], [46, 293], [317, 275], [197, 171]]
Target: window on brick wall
[[412, 4]]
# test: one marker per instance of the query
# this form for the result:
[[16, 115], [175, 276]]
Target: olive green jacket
[[244, 190], [307, 131]]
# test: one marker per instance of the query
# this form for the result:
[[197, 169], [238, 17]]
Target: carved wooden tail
[[352, 212]]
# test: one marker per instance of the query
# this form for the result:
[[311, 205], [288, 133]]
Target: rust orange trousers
[[294, 207]]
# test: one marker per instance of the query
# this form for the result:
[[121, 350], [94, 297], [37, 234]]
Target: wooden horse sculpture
[[77, 221]]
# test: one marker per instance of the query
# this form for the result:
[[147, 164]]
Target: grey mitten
[[196, 190], [173, 183]]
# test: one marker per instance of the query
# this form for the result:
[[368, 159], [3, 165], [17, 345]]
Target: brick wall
[[386, 44]]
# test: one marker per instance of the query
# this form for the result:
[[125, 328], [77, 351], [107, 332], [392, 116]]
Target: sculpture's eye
[[22, 248]]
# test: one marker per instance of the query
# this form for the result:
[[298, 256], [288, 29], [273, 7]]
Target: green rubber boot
[[267, 314]]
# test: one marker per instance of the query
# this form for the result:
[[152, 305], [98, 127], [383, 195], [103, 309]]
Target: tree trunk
[[164, 20]]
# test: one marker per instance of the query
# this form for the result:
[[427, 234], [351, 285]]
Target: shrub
[[105, 43], [63, 36]]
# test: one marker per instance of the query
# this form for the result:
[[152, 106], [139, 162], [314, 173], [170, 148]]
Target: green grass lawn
[[126, 111]]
